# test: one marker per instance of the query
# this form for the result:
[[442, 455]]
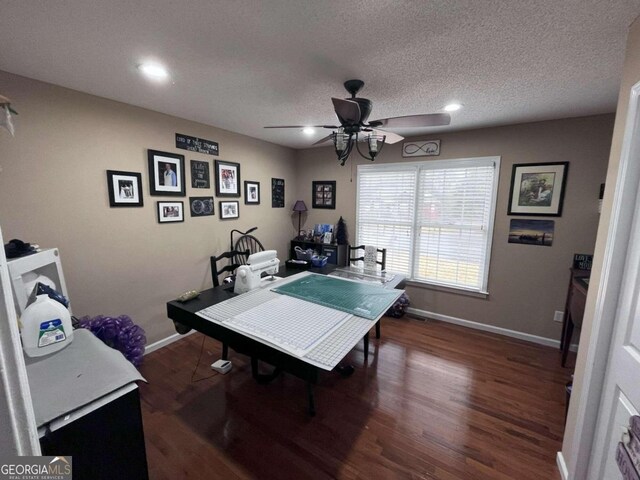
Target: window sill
[[442, 288]]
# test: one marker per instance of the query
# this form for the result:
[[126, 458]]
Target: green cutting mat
[[361, 299]]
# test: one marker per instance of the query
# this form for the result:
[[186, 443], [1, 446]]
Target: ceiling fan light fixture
[[308, 130], [452, 107]]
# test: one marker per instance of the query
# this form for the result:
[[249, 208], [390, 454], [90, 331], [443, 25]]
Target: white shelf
[[47, 263]]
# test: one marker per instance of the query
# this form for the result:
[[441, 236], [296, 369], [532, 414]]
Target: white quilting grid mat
[[326, 353], [292, 324]]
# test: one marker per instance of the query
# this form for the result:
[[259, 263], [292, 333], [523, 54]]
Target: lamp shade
[[300, 206]]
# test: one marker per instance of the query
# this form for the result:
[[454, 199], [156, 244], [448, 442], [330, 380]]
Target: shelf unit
[[337, 254], [47, 263]]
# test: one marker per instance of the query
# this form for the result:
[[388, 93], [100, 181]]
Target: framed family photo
[[170, 212], [251, 193], [166, 173], [538, 189], [324, 194], [227, 179], [229, 209], [125, 189]]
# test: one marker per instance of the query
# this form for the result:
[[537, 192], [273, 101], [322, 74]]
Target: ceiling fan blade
[[391, 137], [303, 126], [322, 140], [413, 121], [347, 111]]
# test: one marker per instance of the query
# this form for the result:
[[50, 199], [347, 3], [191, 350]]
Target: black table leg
[[366, 347], [225, 351], [312, 405], [378, 328]]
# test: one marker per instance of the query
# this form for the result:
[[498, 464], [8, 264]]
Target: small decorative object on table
[[119, 333]]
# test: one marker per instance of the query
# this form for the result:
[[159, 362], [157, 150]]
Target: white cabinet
[[21, 271]]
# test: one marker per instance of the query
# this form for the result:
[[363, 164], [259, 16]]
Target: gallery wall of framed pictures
[[167, 176], [537, 189]]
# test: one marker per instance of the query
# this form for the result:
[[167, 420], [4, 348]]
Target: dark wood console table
[[574, 308]]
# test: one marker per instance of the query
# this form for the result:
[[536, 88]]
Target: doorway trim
[[595, 355]]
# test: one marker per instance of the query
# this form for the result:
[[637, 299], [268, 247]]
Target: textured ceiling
[[241, 65]]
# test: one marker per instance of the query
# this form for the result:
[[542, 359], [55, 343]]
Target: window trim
[[437, 164]]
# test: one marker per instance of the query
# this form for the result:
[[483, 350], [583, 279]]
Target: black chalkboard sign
[[195, 144], [200, 174], [582, 261], [277, 193]]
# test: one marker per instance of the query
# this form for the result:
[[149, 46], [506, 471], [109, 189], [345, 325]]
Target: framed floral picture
[[538, 189]]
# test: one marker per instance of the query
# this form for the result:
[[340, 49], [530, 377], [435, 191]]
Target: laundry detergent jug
[[46, 327]]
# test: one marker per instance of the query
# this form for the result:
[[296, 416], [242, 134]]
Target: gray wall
[[526, 283], [53, 191]]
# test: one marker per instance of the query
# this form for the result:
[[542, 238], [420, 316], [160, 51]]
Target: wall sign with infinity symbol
[[424, 148]]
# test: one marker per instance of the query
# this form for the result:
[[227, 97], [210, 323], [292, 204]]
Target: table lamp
[[299, 207]]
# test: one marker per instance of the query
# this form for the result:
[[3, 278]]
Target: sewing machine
[[248, 277]]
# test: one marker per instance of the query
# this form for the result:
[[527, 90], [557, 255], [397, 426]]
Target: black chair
[[355, 256], [245, 246], [215, 277], [230, 267]]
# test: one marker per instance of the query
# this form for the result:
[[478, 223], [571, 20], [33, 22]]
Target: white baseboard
[[549, 342], [165, 341], [562, 466]]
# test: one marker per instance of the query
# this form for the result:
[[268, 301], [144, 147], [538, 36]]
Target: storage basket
[[303, 254]]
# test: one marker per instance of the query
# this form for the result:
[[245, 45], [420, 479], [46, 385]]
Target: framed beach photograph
[[201, 206], [531, 232], [323, 194], [251, 193], [229, 209], [166, 173], [170, 212], [538, 189], [227, 179], [125, 188]]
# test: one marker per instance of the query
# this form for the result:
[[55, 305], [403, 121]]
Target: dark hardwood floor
[[436, 401]]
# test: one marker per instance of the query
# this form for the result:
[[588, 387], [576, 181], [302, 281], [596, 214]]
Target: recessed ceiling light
[[154, 71], [452, 107], [308, 130]]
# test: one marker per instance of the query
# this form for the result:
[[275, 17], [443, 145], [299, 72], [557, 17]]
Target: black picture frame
[[201, 206], [158, 162], [200, 177], [227, 178], [537, 189], [170, 212], [229, 209], [251, 192], [323, 194], [125, 189], [277, 193]]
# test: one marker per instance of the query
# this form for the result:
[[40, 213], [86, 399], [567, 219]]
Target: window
[[435, 218]]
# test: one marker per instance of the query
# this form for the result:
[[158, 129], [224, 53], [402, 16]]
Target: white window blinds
[[434, 218]]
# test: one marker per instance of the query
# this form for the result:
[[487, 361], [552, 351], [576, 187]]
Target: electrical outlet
[[558, 316]]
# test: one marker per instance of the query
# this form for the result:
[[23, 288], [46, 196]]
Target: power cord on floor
[[204, 337]]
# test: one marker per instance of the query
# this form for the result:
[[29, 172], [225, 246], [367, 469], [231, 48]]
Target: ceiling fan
[[353, 114]]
